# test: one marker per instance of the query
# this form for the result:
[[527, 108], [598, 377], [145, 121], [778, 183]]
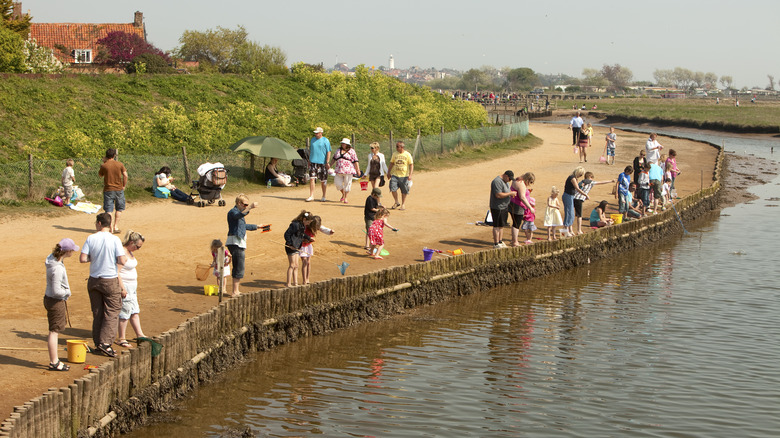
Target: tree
[[39, 59], [663, 78], [120, 48], [149, 63], [11, 55], [771, 82], [727, 82], [21, 26], [228, 51], [593, 78], [522, 78], [618, 76]]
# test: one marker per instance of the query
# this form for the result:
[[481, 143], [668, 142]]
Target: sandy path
[[441, 211]]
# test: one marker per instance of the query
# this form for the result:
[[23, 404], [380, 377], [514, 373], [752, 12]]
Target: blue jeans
[[568, 209], [238, 256]]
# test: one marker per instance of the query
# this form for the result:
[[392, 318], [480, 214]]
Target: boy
[[585, 185], [611, 138], [635, 208], [68, 178], [643, 186], [370, 209], [621, 189]]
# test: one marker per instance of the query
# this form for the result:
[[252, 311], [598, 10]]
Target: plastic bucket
[[617, 218], [427, 254], [77, 351], [364, 185], [210, 289]]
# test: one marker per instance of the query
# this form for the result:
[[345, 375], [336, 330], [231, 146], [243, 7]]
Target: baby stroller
[[301, 167], [208, 187]]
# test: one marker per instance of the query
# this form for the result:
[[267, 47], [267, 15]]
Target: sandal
[[396, 205], [124, 343], [378, 257], [59, 366], [106, 350]]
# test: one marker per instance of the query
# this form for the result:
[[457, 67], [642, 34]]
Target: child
[[584, 143], [68, 179], [585, 185], [634, 208], [216, 244], [57, 292], [376, 233], [528, 218], [622, 189], [610, 146], [671, 167], [369, 211], [643, 186], [552, 216], [665, 192], [293, 240], [307, 249]]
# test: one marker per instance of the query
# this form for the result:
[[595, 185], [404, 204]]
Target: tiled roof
[[77, 36]]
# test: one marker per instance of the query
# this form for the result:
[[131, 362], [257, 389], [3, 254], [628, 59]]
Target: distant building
[[391, 63]]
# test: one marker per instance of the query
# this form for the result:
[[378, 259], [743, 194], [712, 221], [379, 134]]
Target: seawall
[[121, 394]]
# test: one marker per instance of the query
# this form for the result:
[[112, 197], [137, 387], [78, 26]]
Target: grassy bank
[[763, 116]]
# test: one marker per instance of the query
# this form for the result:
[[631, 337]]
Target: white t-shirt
[[103, 249], [67, 176]]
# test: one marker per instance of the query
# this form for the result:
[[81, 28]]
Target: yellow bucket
[[211, 289], [617, 218], [77, 351]]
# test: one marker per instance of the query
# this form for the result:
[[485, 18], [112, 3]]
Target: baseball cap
[[317, 130], [67, 244]]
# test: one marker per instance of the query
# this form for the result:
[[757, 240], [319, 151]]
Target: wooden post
[[29, 174], [220, 269], [186, 164], [442, 138], [252, 168], [391, 143], [353, 140]]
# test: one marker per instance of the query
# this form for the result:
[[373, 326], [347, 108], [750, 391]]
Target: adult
[[103, 251], [236, 239], [500, 197], [519, 203], [376, 169], [276, 177], [569, 189], [55, 298], [575, 125], [401, 169], [639, 165], [598, 218], [163, 178], [345, 164], [653, 149], [656, 175], [319, 156], [114, 183], [129, 276]]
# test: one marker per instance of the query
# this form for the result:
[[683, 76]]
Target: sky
[[737, 39]]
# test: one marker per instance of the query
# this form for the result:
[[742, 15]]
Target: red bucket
[[364, 185]]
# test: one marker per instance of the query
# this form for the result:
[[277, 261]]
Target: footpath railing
[[122, 393], [38, 178]]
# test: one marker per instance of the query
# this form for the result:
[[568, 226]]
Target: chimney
[[17, 11], [138, 19]]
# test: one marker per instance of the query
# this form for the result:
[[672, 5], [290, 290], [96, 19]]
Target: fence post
[[391, 142], [353, 140], [442, 139], [29, 174], [186, 164], [252, 168]]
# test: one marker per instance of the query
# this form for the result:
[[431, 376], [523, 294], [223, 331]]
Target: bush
[[153, 63]]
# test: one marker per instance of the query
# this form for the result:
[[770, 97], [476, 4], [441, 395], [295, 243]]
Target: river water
[[677, 340]]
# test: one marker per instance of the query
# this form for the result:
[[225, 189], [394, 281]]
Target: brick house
[[74, 43]]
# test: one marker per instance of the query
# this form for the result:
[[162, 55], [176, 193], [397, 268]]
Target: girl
[[528, 218], [376, 233], [293, 240], [585, 133], [519, 204], [307, 249], [666, 192], [216, 244], [598, 218], [129, 276], [671, 167], [552, 216], [57, 293]]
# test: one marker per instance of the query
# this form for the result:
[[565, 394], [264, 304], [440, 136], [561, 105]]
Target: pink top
[[671, 166], [344, 162]]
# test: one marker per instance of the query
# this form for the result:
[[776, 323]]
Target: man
[[103, 252], [653, 149], [400, 170], [575, 126], [114, 182], [319, 157], [500, 195]]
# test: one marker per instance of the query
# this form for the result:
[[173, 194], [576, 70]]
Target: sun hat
[[317, 130], [346, 141], [67, 244]]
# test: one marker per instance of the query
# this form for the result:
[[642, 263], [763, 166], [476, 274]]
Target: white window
[[82, 56]]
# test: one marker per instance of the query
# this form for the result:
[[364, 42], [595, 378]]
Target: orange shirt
[[112, 172]]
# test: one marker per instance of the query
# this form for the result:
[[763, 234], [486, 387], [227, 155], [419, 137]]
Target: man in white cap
[[319, 157]]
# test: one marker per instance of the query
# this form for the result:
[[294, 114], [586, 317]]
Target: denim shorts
[[238, 255], [112, 198]]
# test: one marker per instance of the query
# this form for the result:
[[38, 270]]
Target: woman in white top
[[129, 276], [377, 167]]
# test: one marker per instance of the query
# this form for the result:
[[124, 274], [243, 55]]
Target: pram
[[208, 187], [301, 167]]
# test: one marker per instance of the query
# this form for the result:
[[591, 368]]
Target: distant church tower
[[391, 63]]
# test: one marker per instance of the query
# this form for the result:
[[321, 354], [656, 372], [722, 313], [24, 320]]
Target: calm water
[[680, 340]]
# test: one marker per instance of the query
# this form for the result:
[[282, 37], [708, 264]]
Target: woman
[[598, 217], [129, 276], [163, 178], [520, 203], [277, 178], [569, 189], [56, 295], [377, 167], [639, 166], [345, 164], [584, 142]]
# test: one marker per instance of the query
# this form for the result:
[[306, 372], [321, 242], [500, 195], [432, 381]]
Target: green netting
[[36, 179]]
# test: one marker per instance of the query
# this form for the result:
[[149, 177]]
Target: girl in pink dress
[[376, 233]]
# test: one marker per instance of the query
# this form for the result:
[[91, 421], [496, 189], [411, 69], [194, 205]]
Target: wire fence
[[35, 179]]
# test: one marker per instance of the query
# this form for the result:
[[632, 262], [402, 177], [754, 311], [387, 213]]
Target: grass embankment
[[759, 117]]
